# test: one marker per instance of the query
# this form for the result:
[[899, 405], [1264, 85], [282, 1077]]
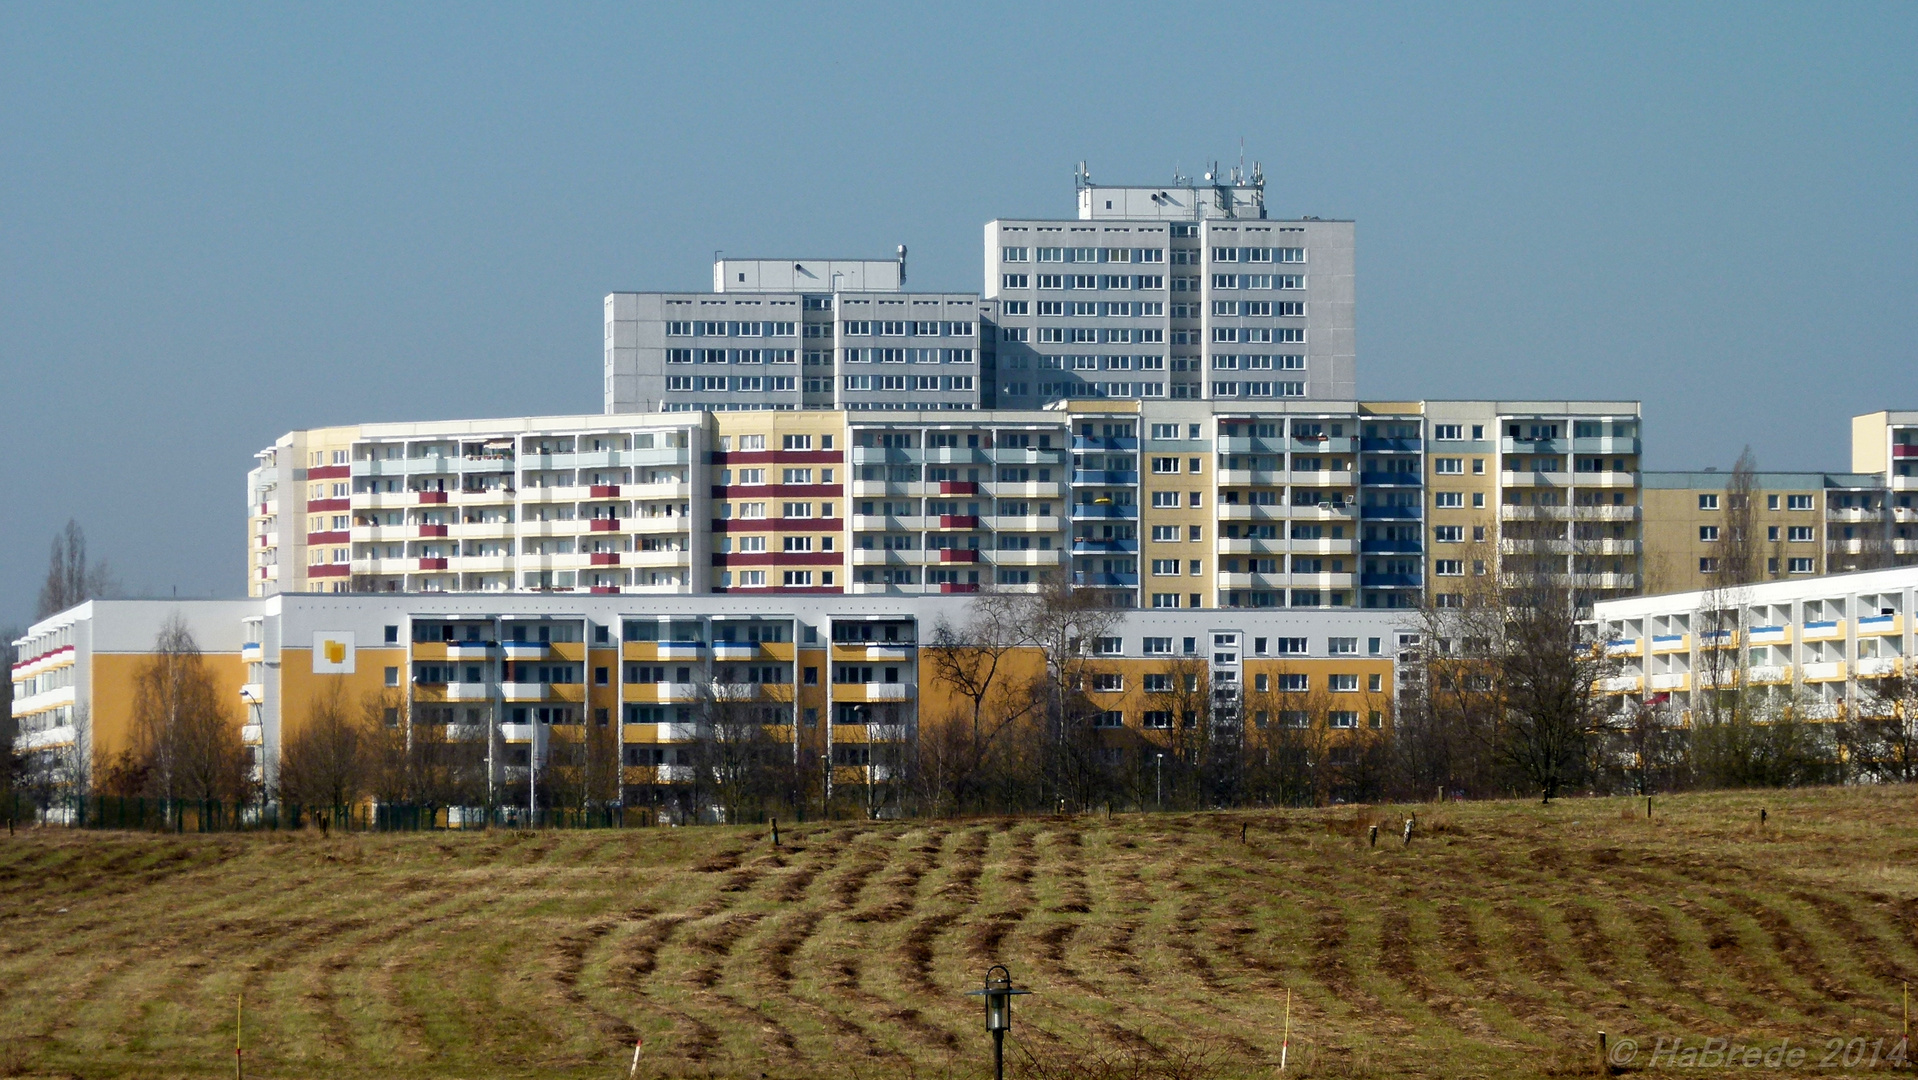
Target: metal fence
[[209, 816]]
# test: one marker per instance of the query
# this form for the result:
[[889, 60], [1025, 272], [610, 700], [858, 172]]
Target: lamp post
[[1161, 780], [998, 993]]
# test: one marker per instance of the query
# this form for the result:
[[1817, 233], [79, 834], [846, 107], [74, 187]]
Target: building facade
[[1160, 504], [1185, 292], [516, 685], [1819, 645], [1699, 530]]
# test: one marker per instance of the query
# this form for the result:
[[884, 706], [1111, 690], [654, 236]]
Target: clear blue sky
[[220, 223]]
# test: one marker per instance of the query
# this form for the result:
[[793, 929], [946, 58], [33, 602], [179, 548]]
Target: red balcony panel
[[958, 487], [951, 555], [605, 491], [330, 570], [432, 564], [605, 558], [1903, 451], [955, 587], [602, 590], [432, 530], [427, 497], [604, 525], [958, 521]]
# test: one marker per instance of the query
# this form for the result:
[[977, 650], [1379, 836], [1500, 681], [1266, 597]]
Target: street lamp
[[998, 993], [1161, 781]]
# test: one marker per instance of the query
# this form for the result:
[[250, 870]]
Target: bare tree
[[1738, 549], [71, 579], [1882, 737], [975, 661], [328, 760], [186, 742]]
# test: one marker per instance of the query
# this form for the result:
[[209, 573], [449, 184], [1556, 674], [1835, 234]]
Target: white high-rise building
[[1181, 291]]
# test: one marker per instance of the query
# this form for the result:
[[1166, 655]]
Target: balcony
[[1084, 546], [735, 650], [1605, 444], [958, 487], [1031, 523], [603, 524], [1605, 478], [954, 555], [1391, 581], [603, 558], [603, 491], [428, 498], [1245, 444], [1085, 579], [1026, 557], [1100, 511], [1324, 444], [1509, 445], [958, 587], [1103, 442], [1904, 451], [430, 531], [1391, 479], [1605, 581], [1392, 547], [1389, 513], [432, 564], [1535, 546], [954, 521], [858, 692], [1823, 672], [1391, 446], [1252, 478], [1105, 477], [1535, 479], [1257, 511]]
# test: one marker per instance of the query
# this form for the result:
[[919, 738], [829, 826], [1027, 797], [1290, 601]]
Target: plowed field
[[1498, 943]]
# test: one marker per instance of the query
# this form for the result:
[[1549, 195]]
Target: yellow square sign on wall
[[333, 652]]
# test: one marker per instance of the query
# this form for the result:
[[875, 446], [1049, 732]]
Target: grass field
[[1497, 944]]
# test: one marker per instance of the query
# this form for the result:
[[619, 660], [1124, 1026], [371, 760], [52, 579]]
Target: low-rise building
[[518, 685]]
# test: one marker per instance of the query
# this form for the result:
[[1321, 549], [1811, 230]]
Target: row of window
[[1085, 334], [1709, 565], [1709, 501], [1259, 335], [1797, 534], [1084, 309], [1257, 362], [1083, 255], [907, 356], [908, 382], [903, 328], [676, 328], [1258, 389], [749, 384], [730, 356]]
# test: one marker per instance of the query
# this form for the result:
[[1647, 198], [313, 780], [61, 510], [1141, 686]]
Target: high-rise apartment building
[[1796, 524], [787, 334], [1159, 504], [1186, 291]]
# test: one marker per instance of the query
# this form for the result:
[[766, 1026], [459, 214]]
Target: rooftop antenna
[[1238, 174]]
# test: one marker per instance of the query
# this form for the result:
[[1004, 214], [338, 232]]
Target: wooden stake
[[1285, 1043], [638, 1041], [239, 1022], [775, 832], [1604, 1063]]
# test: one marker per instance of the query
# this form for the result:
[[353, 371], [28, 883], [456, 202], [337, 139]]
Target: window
[[1165, 534], [1708, 534], [798, 442], [1108, 682], [1158, 646], [1342, 684], [1800, 566], [1165, 568], [1342, 718], [1448, 500], [1342, 646], [1448, 534], [1162, 500], [1708, 566], [1448, 432], [1448, 567], [1708, 502], [1165, 465], [1798, 502], [1295, 684], [1799, 533], [1448, 466], [1158, 684]]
